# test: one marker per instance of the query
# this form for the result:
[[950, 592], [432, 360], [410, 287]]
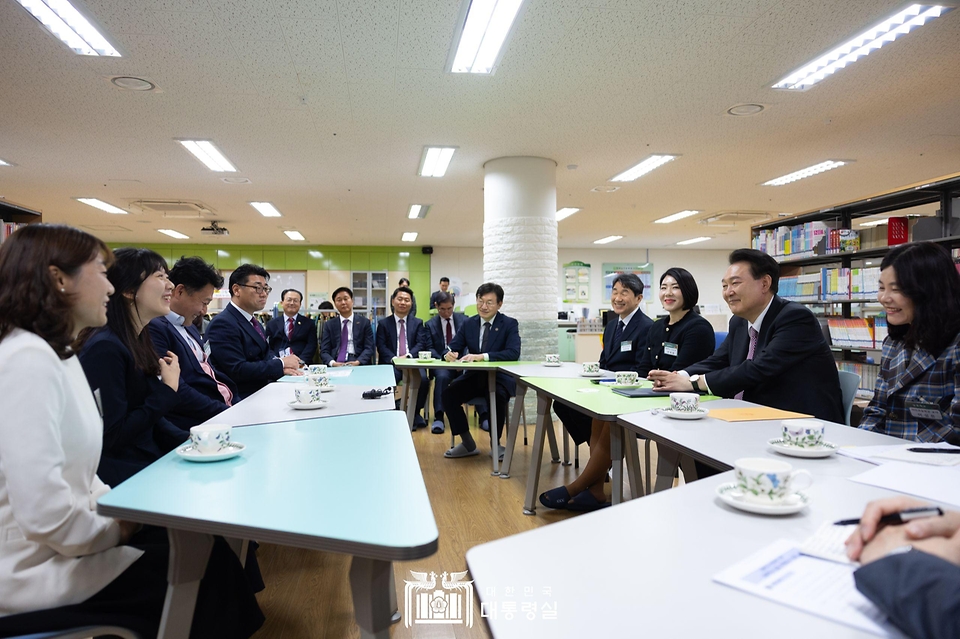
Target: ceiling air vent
[[735, 218], [176, 209]]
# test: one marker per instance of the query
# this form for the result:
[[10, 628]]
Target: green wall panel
[[359, 261], [337, 260], [296, 260], [251, 255], [274, 260], [379, 262]]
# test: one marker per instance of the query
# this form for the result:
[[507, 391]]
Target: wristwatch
[[694, 380]]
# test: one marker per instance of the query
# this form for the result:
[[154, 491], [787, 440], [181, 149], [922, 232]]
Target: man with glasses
[[490, 336], [238, 344]]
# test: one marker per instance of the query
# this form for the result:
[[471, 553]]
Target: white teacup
[[308, 395], [627, 378], [425, 355], [316, 369], [321, 381], [210, 438], [591, 368], [768, 481], [552, 358], [805, 433], [684, 402]]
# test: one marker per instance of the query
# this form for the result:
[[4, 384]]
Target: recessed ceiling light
[[861, 45], [266, 209], [235, 180], [566, 212], [409, 237], [404, 254], [608, 239], [807, 172], [206, 152], [694, 241], [875, 222], [643, 168], [174, 234], [294, 235], [745, 109], [130, 83], [316, 254], [418, 211], [100, 204], [675, 217], [603, 188], [482, 35], [434, 160], [4, 163], [60, 18]]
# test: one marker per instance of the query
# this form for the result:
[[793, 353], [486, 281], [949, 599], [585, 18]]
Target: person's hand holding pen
[[873, 539]]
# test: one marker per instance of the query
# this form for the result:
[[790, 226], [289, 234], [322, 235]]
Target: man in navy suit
[[444, 290], [203, 391], [237, 341], [397, 336], [435, 336], [347, 338], [491, 337], [293, 330]]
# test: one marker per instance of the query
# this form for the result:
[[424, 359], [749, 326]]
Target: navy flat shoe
[[556, 498], [585, 502]]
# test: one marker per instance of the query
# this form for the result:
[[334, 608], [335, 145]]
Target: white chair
[[849, 383]]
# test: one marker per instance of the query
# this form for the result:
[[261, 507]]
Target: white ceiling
[[325, 106]]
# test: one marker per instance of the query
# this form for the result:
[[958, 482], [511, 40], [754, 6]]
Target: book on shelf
[[7, 229], [868, 376], [838, 284], [853, 332]]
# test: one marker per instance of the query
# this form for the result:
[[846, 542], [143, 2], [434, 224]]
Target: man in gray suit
[[435, 335]]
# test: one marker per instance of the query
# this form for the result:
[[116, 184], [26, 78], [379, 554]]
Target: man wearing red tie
[[293, 330], [435, 336], [397, 336]]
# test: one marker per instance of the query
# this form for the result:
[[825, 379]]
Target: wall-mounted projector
[[214, 229]]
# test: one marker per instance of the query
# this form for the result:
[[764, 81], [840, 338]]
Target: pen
[[945, 451], [899, 518]]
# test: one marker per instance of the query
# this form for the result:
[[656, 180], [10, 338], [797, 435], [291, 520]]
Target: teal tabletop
[[408, 362], [372, 376]]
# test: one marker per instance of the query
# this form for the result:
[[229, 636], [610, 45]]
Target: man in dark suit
[[237, 341], [347, 338], [293, 330], [774, 354], [397, 336], [490, 336], [435, 336], [444, 290], [203, 392]]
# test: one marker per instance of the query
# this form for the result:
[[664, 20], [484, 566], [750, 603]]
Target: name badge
[[924, 410], [671, 349], [626, 347], [206, 349]]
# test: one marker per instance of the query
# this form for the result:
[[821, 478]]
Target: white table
[[645, 568]]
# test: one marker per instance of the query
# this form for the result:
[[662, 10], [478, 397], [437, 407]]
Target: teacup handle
[[800, 473]]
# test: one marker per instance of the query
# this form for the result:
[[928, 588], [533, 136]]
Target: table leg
[[552, 440], [494, 443], [668, 459], [616, 456], [536, 457], [411, 386], [393, 599], [371, 582], [512, 429], [632, 454], [405, 380], [189, 552], [689, 468]]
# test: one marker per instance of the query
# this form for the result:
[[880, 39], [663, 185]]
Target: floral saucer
[[731, 496], [700, 413], [823, 450], [190, 453], [298, 406]]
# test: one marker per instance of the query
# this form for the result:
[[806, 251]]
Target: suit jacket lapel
[[249, 327], [195, 363], [907, 368]]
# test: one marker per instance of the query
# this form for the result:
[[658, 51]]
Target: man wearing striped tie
[[435, 336]]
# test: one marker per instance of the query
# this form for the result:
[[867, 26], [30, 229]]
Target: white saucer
[[700, 413], [621, 386], [597, 374], [729, 494], [190, 453], [298, 406], [823, 450], [552, 364], [427, 361]]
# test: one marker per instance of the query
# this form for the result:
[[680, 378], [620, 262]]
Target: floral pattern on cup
[[309, 395], [591, 368], [552, 358], [684, 402], [627, 378], [211, 438], [803, 433], [321, 381], [425, 355], [316, 369], [768, 481]]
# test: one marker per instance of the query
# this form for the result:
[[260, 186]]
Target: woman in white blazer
[[56, 552]]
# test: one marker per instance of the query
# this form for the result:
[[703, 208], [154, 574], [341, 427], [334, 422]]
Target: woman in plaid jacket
[[916, 391]]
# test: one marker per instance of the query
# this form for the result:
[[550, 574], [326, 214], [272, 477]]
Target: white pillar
[[520, 246]]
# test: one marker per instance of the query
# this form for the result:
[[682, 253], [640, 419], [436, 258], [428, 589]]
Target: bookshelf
[[13, 216]]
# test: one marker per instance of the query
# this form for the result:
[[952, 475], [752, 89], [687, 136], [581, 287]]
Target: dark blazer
[[792, 368], [919, 593], [436, 294], [503, 345], [693, 336], [134, 405], [237, 350], [199, 397], [363, 341], [387, 337], [432, 336], [613, 358], [304, 344]]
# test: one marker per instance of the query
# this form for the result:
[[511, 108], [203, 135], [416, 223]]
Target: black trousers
[[225, 607], [579, 426], [469, 386]]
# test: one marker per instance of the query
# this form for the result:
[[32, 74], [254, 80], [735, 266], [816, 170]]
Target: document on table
[[781, 573], [753, 414], [936, 483], [900, 452], [828, 543], [343, 372]]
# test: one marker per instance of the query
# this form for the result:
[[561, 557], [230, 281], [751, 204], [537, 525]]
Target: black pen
[[945, 451], [901, 517]]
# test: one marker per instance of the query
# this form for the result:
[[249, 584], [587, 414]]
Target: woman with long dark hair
[[916, 390], [135, 389]]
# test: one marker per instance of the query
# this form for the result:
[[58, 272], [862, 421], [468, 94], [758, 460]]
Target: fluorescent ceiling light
[[675, 217], [210, 155], [404, 254], [222, 253], [316, 254], [435, 160], [3, 163], [294, 235], [266, 209], [805, 173], [875, 222], [174, 234], [418, 211], [100, 204], [643, 168], [608, 239], [60, 18], [409, 237], [484, 31], [861, 45], [565, 212], [694, 241]]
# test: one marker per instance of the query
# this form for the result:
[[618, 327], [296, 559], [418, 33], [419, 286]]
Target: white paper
[[882, 454], [936, 483], [343, 372], [823, 588], [828, 543]]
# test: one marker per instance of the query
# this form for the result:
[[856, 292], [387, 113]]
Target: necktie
[[750, 352], [197, 349], [290, 329], [483, 338], [257, 328], [449, 332], [402, 351], [344, 337], [617, 334]]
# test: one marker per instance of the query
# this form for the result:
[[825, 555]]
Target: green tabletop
[[409, 362]]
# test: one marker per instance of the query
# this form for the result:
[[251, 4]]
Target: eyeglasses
[[259, 289], [486, 303]]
